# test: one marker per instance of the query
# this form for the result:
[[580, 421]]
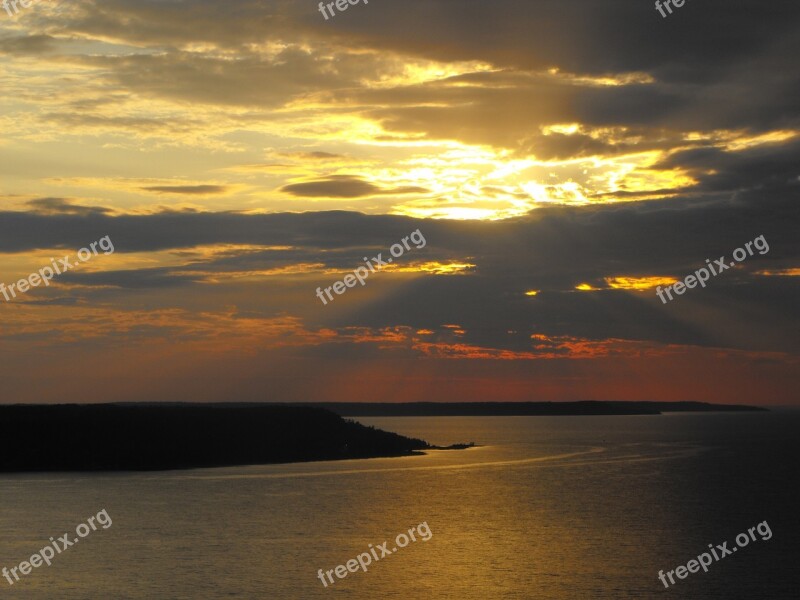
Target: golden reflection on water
[[559, 509]]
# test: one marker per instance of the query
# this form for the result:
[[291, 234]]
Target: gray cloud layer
[[551, 250]]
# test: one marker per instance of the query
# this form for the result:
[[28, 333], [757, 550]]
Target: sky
[[561, 160]]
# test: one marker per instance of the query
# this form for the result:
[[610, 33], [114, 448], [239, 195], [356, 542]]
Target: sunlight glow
[[639, 284]]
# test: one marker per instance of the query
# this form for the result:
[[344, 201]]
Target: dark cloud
[[765, 166], [191, 190], [709, 66], [159, 277], [551, 250], [27, 44], [614, 65], [317, 155], [55, 301], [344, 186], [580, 36], [64, 206]]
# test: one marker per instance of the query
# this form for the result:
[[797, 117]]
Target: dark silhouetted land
[[511, 409], [137, 437], [159, 436]]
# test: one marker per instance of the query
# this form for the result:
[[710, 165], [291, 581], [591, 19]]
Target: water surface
[[550, 507]]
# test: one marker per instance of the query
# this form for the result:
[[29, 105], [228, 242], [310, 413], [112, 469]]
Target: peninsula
[[153, 436]]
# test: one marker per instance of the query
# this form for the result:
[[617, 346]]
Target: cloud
[[64, 206], [543, 111], [345, 186], [772, 165], [316, 155], [132, 279], [553, 250], [28, 45], [375, 87], [139, 124], [190, 190]]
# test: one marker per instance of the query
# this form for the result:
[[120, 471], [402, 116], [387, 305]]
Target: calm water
[[568, 508]]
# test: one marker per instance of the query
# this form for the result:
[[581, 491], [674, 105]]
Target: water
[[549, 508]]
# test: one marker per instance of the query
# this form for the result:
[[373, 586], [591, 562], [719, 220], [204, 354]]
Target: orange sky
[[559, 168]]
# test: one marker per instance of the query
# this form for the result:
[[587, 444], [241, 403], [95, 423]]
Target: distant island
[[152, 436], [520, 409]]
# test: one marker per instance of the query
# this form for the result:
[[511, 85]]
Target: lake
[[566, 508]]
